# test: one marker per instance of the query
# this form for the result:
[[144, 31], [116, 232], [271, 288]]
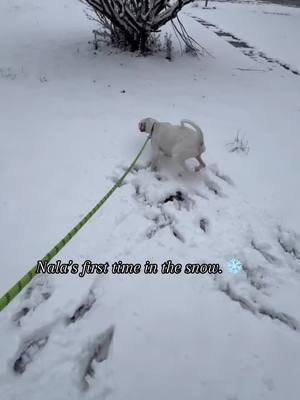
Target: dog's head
[[146, 125]]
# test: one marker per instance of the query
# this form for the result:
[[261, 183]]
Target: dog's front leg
[[155, 156], [154, 163]]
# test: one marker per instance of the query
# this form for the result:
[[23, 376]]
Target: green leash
[[19, 286]]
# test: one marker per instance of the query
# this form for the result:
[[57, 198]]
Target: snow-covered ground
[[69, 128], [271, 28]]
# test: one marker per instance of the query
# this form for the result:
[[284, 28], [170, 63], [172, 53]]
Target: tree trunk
[[143, 42]]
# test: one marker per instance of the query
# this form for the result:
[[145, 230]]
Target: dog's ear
[[142, 126]]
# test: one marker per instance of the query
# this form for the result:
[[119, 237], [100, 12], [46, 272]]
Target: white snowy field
[[273, 29], [69, 128]]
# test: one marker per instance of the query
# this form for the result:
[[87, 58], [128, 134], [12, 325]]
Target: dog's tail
[[195, 126]]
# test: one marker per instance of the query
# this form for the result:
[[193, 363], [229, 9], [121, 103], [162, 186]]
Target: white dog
[[177, 141]]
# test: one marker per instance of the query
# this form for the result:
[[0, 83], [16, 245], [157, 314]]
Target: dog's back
[[171, 138]]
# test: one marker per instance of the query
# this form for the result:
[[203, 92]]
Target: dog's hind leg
[[201, 163]]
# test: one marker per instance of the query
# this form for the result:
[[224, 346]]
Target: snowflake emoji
[[234, 266]]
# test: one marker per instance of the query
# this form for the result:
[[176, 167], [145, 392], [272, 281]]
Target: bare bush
[[131, 24]]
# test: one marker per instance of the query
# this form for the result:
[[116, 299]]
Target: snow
[[68, 129], [274, 29]]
